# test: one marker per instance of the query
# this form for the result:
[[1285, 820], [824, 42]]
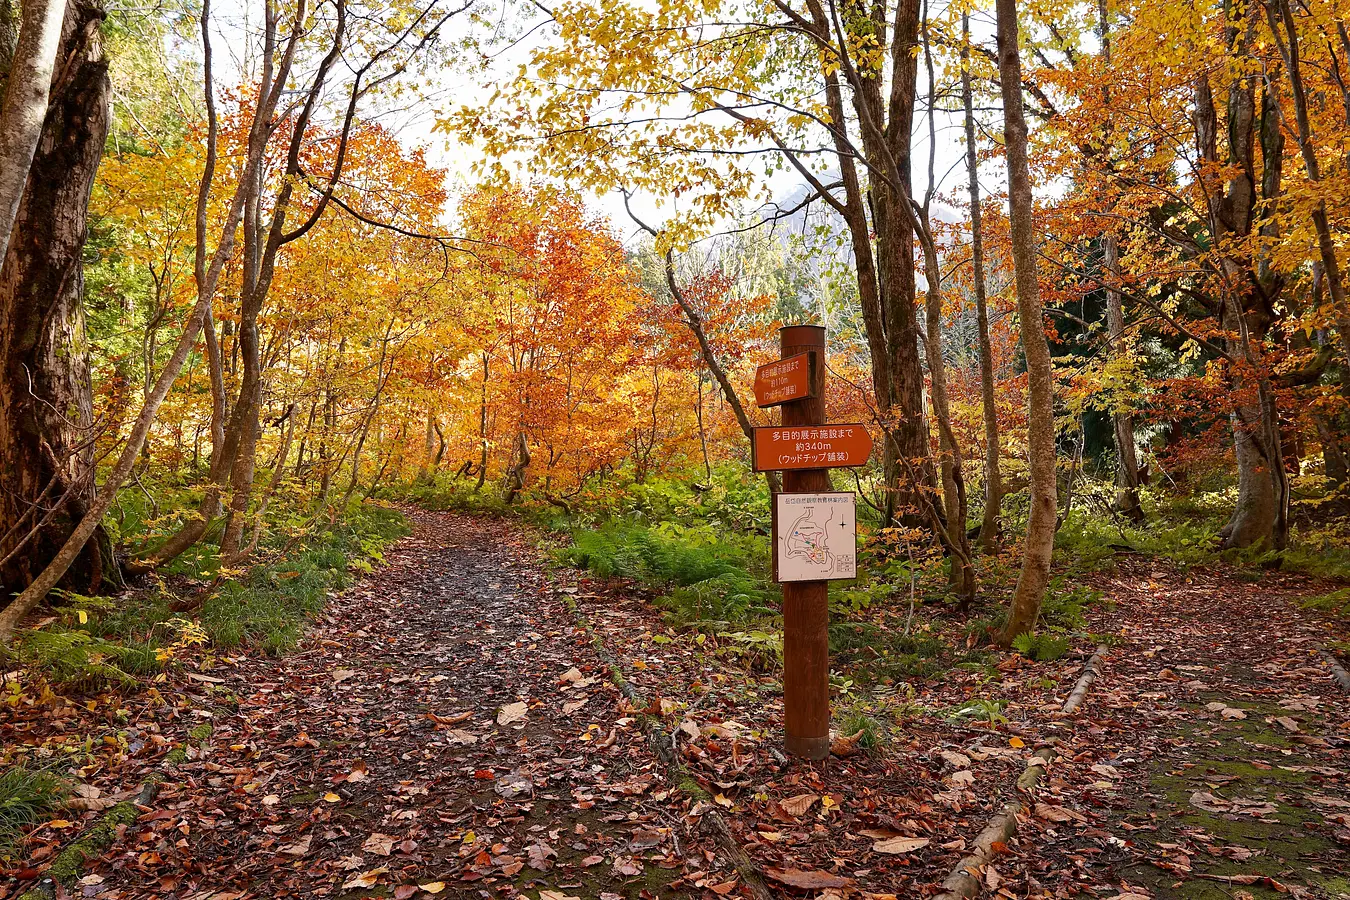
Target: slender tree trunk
[[1040, 538], [26, 67], [993, 477], [1127, 460], [428, 440], [482, 427], [46, 399], [278, 472]]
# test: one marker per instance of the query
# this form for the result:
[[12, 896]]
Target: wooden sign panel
[[815, 537], [783, 381], [811, 447]]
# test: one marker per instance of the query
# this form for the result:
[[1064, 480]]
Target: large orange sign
[[811, 447], [783, 381]]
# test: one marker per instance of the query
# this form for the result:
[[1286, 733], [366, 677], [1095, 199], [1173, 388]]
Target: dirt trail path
[[446, 725], [1213, 759]]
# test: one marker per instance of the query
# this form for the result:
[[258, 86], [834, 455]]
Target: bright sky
[[451, 88]]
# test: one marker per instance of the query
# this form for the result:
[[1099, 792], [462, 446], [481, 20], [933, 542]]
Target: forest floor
[[467, 722]]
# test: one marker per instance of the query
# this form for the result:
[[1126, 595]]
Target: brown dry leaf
[[572, 706], [512, 713], [847, 745], [365, 879], [571, 676], [1053, 813], [1287, 724], [358, 772], [809, 879], [724, 888], [379, 844], [798, 805], [901, 844], [341, 675], [299, 848]]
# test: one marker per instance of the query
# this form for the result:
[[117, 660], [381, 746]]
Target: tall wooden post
[[806, 636]]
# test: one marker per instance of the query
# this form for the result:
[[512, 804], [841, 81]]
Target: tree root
[[1338, 671]]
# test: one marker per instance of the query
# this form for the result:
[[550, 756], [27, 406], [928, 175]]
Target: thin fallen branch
[[1090, 674], [1338, 671], [711, 819], [966, 880]]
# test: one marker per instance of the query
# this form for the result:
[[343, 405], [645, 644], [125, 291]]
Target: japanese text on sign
[[813, 447], [782, 381]]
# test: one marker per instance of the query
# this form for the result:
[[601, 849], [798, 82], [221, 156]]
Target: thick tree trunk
[[1040, 538], [46, 420]]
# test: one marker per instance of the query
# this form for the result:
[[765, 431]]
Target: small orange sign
[[783, 381], [811, 447]]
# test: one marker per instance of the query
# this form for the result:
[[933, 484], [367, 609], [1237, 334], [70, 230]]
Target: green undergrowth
[[98, 643], [703, 575], [1184, 531], [27, 796]]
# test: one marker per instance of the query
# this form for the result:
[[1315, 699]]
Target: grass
[[99, 643], [26, 798]]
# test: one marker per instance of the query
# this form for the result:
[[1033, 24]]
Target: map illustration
[[808, 540], [816, 537]]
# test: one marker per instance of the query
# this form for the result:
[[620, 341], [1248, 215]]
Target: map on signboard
[[817, 537]]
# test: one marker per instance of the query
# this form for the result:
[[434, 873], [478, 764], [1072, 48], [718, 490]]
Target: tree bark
[[1122, 422], [993, 477], [1039, 543], [26, 68], [46, 400]]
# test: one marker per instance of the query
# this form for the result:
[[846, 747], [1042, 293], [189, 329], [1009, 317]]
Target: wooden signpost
[[814, 528], [828, 446], [783, 381]]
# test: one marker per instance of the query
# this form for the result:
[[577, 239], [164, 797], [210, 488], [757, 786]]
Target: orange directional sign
[[811, 447], [783, 381]]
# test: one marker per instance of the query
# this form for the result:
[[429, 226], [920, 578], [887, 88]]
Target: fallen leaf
[[1053, 813], [299, 848], [900, 844], [807, 878], [366, 879], [433, 887], [848, 745], [511, 713], [798, 805], [379, 844]]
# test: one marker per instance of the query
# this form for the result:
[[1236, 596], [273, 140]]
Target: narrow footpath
[[446, 729]]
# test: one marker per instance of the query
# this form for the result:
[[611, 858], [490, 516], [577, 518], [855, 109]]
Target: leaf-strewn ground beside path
[[447, 729]]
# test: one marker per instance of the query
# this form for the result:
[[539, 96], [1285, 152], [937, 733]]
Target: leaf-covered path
[[447, 725], [448, 729], [1213, 757]]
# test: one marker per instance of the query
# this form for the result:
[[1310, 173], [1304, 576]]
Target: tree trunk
[[27, 60], [46, 401], [1040, 538], [1127, 461], [993, 476]]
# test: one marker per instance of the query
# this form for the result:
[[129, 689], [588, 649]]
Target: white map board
[[816, 536]]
